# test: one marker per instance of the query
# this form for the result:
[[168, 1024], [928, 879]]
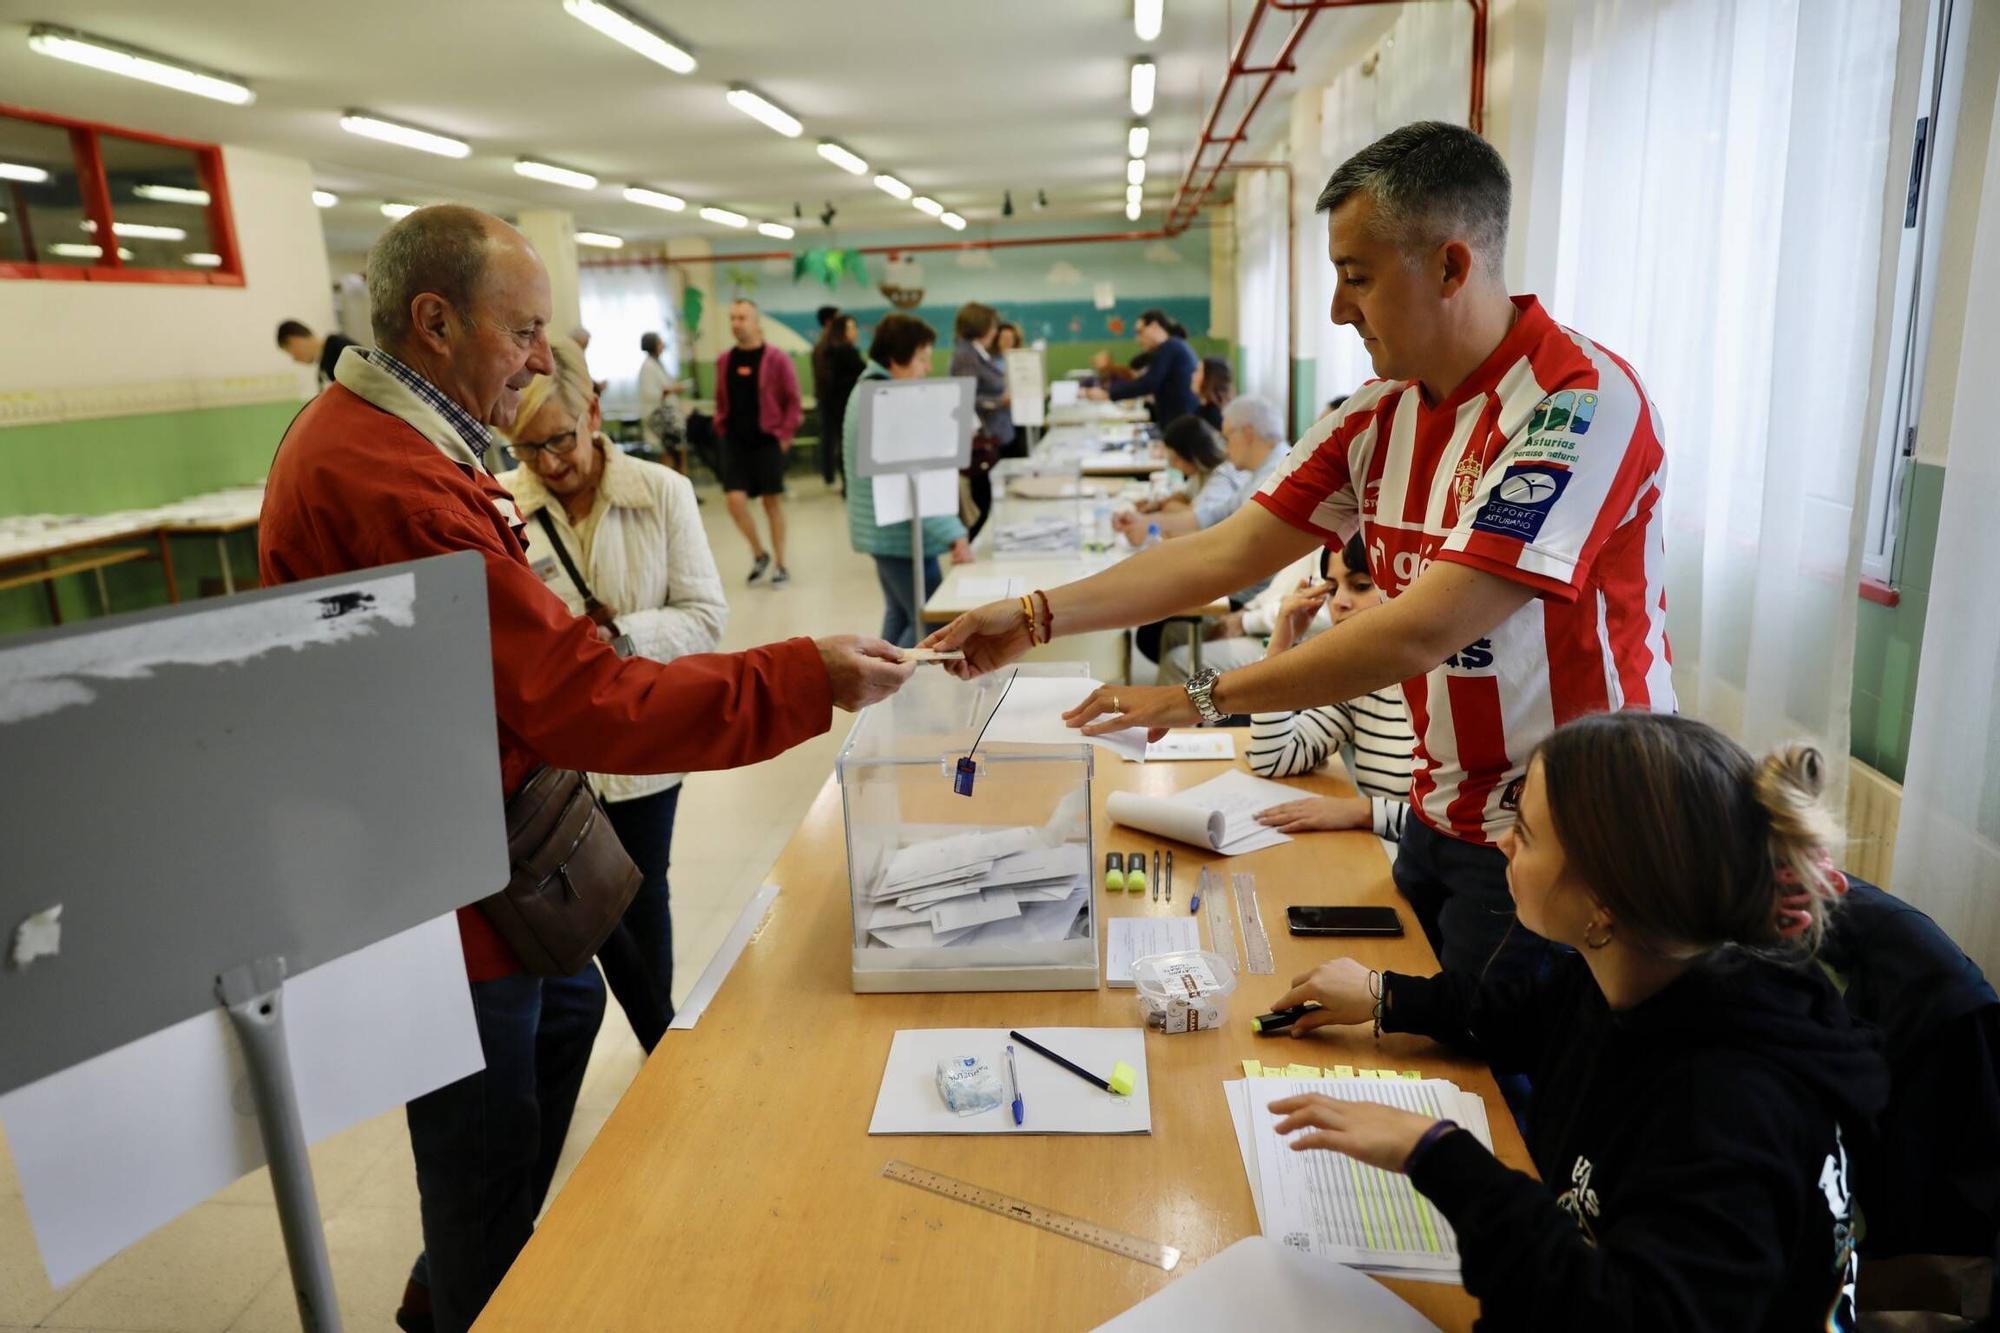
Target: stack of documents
[[1037, 536], [987, 886], [1328, 1204], [1220, 814]]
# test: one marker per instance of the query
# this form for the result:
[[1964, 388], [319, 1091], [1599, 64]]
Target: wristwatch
[[1201, 689]]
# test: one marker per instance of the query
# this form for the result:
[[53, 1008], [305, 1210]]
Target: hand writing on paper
[[1383, 1136], [1158, 708], [861, 670], [991, 637], [1339, 987], [1318, 812]]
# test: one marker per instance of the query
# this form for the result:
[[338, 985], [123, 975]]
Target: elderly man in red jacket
[[388, 465]]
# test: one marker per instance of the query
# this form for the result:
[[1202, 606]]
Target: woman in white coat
[[619, 540]]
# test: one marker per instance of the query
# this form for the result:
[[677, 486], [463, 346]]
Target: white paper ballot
[[1130, 937], [937, 495], [1054, 1100], [114, 1147], [1031, 714], [1204, 744], [988, 588], [1167, 816], [1288, 1290], [1063, 393]]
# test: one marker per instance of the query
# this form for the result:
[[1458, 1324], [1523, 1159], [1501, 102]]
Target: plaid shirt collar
[[476, 436]]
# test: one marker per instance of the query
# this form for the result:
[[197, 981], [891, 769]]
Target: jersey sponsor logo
[[1580, 1199], [1397, 570], [1466, 477], [1558, 449], [1475, 656], [1520, 504], [1569, 410]]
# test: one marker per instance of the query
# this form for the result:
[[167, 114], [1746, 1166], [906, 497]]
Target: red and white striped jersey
[[1544, 467]]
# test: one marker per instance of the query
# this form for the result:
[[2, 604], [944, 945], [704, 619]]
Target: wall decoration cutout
[[830, 266], [903, 283], [1062, 273]]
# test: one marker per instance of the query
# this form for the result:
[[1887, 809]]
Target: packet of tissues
[[968, 1084]]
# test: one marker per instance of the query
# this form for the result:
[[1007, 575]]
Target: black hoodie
[[1694, 1148]]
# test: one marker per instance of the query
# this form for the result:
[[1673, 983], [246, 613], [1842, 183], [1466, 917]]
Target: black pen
[[1122, 1077]]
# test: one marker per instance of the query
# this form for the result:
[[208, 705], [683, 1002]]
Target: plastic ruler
[[1048, 1219], [1256, 944], [1215, 899]]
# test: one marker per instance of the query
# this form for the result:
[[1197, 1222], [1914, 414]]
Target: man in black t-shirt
[[297, 341], [757, 411]]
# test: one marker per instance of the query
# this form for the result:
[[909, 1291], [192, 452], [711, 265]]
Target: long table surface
[[736, 1184]]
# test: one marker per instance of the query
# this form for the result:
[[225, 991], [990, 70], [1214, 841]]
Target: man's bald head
[[446, 250]]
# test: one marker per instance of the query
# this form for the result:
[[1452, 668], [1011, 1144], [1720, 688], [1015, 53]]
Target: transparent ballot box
[[990, 890]]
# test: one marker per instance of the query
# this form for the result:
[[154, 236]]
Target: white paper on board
[[916, 422], [123, 1143], [937, 495], [1063, 393], [1025, 389]]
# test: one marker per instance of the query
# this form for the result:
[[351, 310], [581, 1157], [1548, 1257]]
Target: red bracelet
[[1048, 617]]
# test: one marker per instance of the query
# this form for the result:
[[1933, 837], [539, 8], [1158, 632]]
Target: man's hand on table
[[862, 670]]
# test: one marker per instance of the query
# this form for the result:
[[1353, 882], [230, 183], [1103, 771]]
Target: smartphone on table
[[1343, 921]]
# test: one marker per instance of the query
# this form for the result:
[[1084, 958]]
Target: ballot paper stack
[[949, 888], [1330, 1205], [1043, 535]]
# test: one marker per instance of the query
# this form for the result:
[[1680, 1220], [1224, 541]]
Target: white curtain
[[1722, 187], [620, 304], [1948, 842], [1263, 303]]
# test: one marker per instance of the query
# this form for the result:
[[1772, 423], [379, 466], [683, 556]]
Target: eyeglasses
[[557, 446]]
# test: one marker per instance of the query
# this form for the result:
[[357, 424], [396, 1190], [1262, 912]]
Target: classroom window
[[87, 202]]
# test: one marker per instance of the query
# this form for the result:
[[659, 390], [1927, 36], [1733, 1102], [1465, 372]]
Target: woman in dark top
[[977, 331], [1215, 386], [1697, 1081], [837, 364]]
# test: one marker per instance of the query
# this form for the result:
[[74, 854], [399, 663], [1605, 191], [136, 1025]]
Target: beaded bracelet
[[1381, 994], [1028, 616], [1048, 617]]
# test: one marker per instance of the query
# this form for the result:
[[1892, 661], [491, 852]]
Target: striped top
[[1372, 735]]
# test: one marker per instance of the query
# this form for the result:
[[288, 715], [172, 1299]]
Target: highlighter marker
[[1114, 872], [1267, 1025], [1135, 872]]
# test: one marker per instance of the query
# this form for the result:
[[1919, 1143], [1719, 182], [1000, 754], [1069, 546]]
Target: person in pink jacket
[[757, 412]]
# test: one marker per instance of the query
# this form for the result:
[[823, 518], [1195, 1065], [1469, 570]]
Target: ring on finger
[[1116, 707]]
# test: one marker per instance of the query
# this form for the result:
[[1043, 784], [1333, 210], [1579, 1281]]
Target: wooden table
[[85, 546], [736, 1185]]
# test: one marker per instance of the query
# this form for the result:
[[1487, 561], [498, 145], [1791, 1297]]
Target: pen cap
[[1123, 1079]]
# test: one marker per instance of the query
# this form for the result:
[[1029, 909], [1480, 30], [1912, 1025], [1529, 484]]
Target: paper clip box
[[922, 857]]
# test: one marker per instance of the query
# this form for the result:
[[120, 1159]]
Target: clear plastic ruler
[[1048, 1219], [1256, 944], [1215, 900]]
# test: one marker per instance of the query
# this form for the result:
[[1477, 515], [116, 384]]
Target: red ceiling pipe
[[924, 247]]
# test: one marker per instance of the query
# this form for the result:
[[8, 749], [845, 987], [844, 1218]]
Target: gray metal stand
[[254, 995], [918, 593]]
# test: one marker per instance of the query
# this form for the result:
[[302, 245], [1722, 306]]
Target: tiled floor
[[221, 1266]]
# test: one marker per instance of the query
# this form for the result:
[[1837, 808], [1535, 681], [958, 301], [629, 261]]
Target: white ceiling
[[960, 99]]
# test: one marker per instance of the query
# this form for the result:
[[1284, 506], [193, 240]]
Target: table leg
[[54, 600], [167, 566], [103, 594], [228, 576]]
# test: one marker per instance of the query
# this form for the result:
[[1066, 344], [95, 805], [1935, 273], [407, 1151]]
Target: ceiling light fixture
[[18, 171], [73, 250], [952, 220], [115, 58], [397, 212], [763, 110], [1143, 74], [630, 32], [325, 198], [404, 136], [639, 194], [1134, 193], [889, 185], [928, 206], [553, 174], [202, 259], [724, 217], [777, 231], [842, 158], [828, 214], [1131, 210], [1135, 171], [139, 231], [171, 194], [1006, 203], [1137, 140], [1146, 18], [600, 240]]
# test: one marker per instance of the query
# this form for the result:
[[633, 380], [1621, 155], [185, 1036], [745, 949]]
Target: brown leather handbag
[[572, 879]]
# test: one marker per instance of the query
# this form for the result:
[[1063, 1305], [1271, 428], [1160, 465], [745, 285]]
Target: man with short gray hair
[[389, 465]]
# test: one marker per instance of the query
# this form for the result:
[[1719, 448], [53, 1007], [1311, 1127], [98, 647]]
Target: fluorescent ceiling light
[[891, 186], [113, 58], [1131, 210], [953, 220], [397, 212], [554, 175], [777, 231], [404, 136], [639, 194], [724, 217], [16, 171], [1137, 140], [139, 231], [171, 194], [325, 198], [928, 206], [72, 250], [601, 240], [203, 260], [841, 158], [3, 218], [762, 109], [1146, 16], [1142, 87], [1135, 171], [1134, 193], [629, 32]]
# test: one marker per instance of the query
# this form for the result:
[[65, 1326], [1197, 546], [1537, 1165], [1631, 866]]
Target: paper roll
[[1168, 818]]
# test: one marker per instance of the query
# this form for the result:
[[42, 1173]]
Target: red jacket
[[364, 481], [779, 407]]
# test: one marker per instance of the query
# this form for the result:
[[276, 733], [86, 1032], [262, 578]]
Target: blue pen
[[1014, 1082]]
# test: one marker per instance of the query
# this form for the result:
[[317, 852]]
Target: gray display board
[[293, 773]]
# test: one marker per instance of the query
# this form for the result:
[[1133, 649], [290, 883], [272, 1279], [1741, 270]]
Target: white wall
[[84, 335]]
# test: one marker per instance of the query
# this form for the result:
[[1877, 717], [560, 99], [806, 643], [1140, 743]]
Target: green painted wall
[[1888, 639], [94, 467]]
